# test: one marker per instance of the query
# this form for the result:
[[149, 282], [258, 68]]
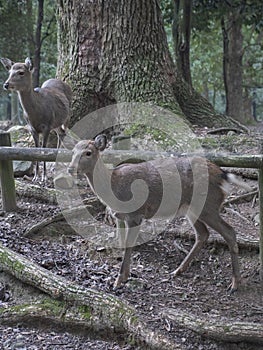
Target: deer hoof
[[233, 287], [176, 272], [119, 282]]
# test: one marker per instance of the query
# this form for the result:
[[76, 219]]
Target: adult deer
[[170, 186], [46, 108]]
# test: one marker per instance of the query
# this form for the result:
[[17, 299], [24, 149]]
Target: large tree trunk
[[117, 51]]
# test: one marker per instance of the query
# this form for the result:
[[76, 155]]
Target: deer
[[177, 176], [45, 108]]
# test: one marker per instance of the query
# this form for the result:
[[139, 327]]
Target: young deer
[[173, 181], [45, 108]]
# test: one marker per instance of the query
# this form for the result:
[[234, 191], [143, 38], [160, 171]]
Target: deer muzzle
[[6, 85]]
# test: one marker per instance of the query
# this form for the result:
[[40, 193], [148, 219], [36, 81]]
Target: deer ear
[[6, 62], [100, 142], [28, 63]]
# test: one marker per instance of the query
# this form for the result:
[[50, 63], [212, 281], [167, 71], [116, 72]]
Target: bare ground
[[202, 290]]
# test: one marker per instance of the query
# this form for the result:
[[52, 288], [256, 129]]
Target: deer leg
[[61, 133], [201, 236], [132, 231], [229, 234], [44, 145], [36, 140], [121, 234]]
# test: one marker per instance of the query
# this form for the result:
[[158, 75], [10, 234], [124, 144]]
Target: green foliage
[[17, 33], [13, 32], [49, 51], [206, 54], [206, 64], [18, 20]]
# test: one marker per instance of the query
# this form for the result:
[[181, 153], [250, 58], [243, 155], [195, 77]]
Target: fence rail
[[117, 156]]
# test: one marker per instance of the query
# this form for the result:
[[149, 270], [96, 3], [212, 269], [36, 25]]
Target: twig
[[179, 248], [238, 214], [240, 198]]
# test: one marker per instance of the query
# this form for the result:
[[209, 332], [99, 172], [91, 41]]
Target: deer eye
[[21, 73], [88, 153]]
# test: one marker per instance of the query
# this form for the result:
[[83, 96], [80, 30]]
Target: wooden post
[[7, 177], [260, 180]]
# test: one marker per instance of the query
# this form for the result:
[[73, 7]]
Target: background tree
[[13, 44], [237, 18], [232, 61], [25, 31], [19, 25], [206, 53], [45, 29], [182, 23]]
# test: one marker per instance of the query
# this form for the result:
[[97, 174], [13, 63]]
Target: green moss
[[226, 329], [131, 341], [85, 311], [229, 142], [5, 258], [55, 307], [18, 267], [209, 142]]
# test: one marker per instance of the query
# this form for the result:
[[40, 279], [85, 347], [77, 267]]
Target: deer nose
[[6, 85]]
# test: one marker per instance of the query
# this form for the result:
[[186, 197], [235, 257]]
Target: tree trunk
[[116, 51], [232, 63], [181, 37], [37, 57], [30, 28]]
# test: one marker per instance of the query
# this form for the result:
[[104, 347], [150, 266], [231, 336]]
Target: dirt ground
[[201, 290]]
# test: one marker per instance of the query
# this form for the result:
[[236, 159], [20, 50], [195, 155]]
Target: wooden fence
[[8, 153]]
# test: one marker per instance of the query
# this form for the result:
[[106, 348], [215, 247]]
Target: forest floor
[[200, 291]]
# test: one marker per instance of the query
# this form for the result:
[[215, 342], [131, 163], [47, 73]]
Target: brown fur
[[45, 108], [193, 187]]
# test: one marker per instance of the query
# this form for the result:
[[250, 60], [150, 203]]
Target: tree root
[[29, 190], [225, 130], [246, 197], [43, 228], [214, 328], [75, 307]]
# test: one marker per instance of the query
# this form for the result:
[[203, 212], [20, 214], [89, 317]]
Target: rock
[[257, 218], [22, 168], [5, 124], [21, 136]]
